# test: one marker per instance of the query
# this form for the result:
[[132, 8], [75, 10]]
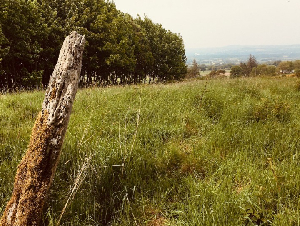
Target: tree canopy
[[120, 49]]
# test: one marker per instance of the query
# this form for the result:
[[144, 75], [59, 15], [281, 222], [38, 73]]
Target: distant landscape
[[159, 135], [240, 53]]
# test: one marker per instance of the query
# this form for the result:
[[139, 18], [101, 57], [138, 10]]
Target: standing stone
[[37, 168]]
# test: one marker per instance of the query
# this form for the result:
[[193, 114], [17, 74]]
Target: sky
[[218, 23]]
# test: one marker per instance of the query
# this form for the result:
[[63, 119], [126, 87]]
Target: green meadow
[[202, 152]]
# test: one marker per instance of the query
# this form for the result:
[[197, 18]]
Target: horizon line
[[242, 45]]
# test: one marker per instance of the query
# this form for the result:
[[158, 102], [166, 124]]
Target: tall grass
[[219, 152]]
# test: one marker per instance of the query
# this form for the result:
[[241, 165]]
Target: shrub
[[236, 71], [297, 73], [215, 73]]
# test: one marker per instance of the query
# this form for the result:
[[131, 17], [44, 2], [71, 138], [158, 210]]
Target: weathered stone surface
[[37, 168]]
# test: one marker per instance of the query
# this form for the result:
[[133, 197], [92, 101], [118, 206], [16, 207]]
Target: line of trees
[[287, 67], [120, 49], [244, 69], [252, 68]]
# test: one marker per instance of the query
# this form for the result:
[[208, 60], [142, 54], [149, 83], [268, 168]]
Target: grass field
[[206, 152]]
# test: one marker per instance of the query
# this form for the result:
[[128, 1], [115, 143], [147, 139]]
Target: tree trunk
[[37, 168]]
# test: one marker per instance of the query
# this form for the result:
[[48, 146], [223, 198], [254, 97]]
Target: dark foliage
[[120, 49]]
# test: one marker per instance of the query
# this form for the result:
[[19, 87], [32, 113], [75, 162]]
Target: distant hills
[[237, 53]]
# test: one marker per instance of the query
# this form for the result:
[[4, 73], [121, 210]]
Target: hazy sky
[[214, 23]]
